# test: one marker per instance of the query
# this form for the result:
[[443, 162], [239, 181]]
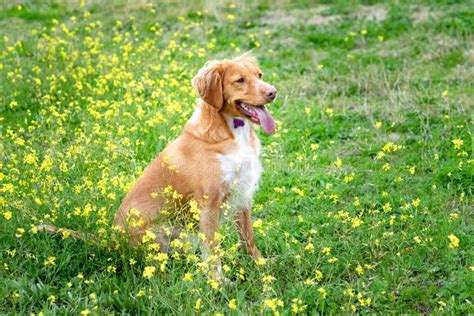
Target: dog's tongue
[[266, 119]]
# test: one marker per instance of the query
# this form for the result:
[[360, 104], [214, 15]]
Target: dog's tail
[[63, 231]]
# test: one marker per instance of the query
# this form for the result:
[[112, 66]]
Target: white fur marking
[[241, 167]]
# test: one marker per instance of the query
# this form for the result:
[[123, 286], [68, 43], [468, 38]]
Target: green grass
[[84, 109]]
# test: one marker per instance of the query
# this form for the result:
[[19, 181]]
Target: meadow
[[365, 203]]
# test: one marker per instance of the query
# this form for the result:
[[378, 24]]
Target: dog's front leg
[[245, 229], [208, 223]]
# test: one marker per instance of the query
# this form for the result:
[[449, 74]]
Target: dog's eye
[[240, 80], [260, 75]]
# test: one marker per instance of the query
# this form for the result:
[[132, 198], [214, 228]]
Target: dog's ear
[[208, 82]]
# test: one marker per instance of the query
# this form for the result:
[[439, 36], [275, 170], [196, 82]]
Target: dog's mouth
[[258, 114]]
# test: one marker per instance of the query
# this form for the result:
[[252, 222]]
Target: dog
[[214, 162]]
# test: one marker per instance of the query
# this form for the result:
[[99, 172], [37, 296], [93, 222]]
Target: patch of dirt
[[288, 41], [375, 13], [441, 44], [317, 16], [312, 16], [394, 137], [422, 14], [278, 18], [348, 152], [320, 19], [469, 54]]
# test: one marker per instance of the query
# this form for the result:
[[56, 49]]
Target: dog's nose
[[271, 94]]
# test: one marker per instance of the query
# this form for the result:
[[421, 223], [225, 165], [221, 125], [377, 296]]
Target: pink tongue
[[266, 120]]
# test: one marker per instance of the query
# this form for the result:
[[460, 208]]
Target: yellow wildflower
[[457, 143], [148, 272], [187, 277], [453, 241], [323, 292], [8, 215], [51, 261], [232, 304]]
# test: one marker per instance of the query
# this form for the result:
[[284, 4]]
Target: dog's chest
[[241, 169]]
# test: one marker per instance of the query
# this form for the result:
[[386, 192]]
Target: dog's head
[[237, 88]]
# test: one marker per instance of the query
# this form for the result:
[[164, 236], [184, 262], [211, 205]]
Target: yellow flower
[[85, 312], [233, 304], [297, 305], [349, 178], [213, 284], [453, 216], [378, 124], [442, 305], [8, 215], [319, 275], [258, 223], [453, 241], [356, 222], [30, 159], [387, 207], [323, 292], [148, 272], [19, 232], [51, 261], [149, 236], [197, 306], [231, 17], [273, 304], [64, 233], [457, 143], [187, 277], [260, 261], [329, 112], [309, 247]]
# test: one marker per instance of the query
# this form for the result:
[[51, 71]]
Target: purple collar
[[238, 123]]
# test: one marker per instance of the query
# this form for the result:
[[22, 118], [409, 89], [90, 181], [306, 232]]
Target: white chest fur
[[241, 168]]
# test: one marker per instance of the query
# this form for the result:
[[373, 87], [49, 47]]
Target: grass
[[365, 204]]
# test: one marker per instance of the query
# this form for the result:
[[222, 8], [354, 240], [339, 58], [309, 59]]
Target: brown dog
[[215, 161]]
